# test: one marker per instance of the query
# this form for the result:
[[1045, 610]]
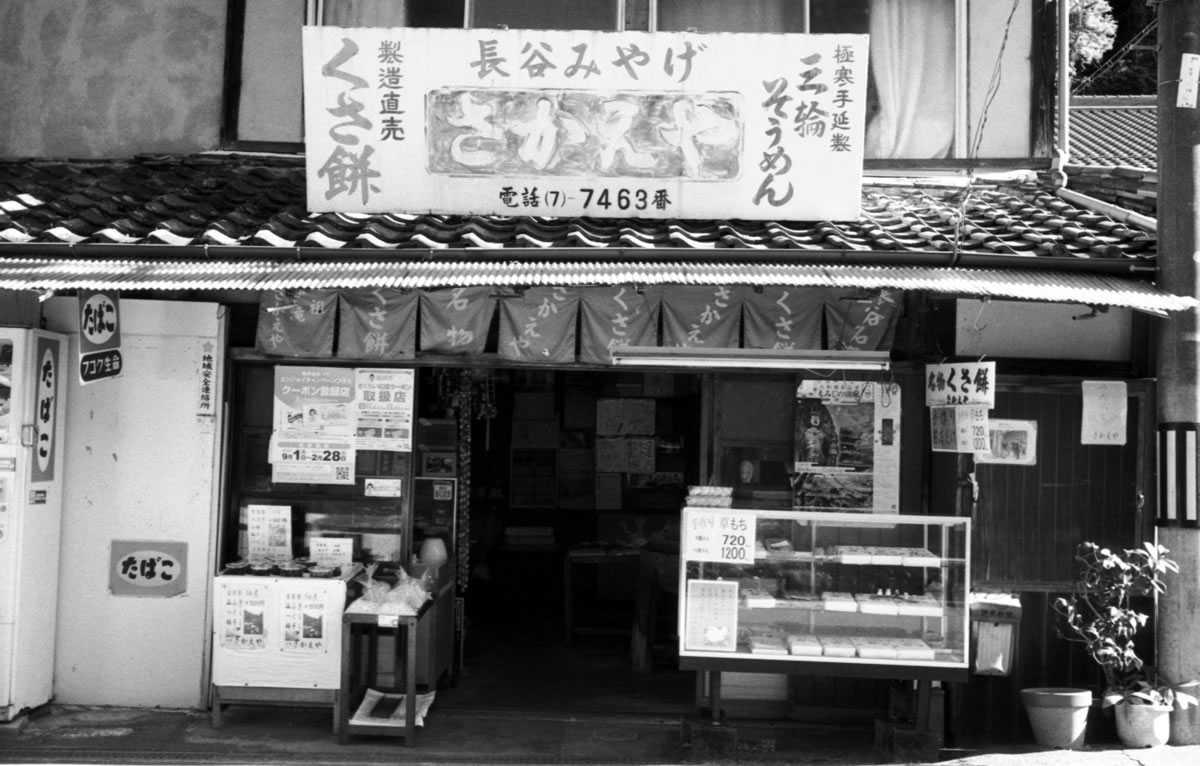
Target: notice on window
[[269, 531], [384, 409], [712, 616]]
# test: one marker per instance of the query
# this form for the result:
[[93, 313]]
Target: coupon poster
[[384, 409], [847, 447], [241, 614]]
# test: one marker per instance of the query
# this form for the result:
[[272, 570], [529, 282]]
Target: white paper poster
[[241, 613], [712, 616], [720, 536], [332, 551], [304, 621], [269, 531], [1105, 407]]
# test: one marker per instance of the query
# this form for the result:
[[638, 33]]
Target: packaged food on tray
[[839, 602], [837, 646]]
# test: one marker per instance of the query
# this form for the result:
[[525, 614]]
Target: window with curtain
[[911, 91]]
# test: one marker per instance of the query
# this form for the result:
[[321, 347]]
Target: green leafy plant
[[1100, 614]]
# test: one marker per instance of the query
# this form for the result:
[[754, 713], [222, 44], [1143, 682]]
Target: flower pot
[[1143, 725], [1058, 715]]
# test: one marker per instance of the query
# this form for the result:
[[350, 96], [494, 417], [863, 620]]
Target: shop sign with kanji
[[580, 123], [960, 383]]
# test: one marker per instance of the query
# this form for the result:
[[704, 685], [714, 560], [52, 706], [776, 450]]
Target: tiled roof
[[207, 218], [1114, 130], [219, 202]]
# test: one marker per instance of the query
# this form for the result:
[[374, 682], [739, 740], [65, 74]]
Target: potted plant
[[1101, 615]]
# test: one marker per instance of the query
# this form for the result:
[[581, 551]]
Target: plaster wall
[[96, 79], [1042, 331], [140, 464]]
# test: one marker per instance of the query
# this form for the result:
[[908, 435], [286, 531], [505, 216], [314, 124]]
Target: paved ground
[[276, 736]]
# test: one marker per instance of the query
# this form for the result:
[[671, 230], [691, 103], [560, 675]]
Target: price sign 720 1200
[[721, 537]]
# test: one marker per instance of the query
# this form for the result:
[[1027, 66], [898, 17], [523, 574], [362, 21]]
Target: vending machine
[[32, 414]]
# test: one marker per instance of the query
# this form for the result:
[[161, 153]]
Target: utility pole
[[1178, 632]]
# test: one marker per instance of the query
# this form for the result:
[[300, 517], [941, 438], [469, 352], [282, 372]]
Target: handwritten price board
[[719, 536]]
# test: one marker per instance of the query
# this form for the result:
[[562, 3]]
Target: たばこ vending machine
[[32, 399]]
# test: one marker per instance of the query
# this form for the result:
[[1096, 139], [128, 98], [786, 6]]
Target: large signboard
[[577, 123]]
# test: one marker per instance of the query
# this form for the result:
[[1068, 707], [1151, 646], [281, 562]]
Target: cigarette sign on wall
[[574, 123]]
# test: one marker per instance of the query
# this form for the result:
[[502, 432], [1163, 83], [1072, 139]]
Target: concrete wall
[[140, 464], [101, 80]]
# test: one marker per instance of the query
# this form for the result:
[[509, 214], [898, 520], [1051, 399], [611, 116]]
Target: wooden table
[[357, 628]]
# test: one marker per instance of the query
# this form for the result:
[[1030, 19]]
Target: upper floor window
[[914, 47]]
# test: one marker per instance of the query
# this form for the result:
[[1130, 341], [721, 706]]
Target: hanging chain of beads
[[463, 544], [486, 406]]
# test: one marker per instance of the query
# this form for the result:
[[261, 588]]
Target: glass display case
[[879, 595]]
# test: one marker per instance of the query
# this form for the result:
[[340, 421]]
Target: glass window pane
[[546, 14], [269, 101], [723, 16]]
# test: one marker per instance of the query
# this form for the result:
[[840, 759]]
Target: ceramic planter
[[1143, 725], [1058, 715]]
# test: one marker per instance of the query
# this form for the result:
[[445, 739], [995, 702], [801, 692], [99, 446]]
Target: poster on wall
[[847, 455], [383, 408], [959, 429], [1105, 412], [241, 613], [1010, 441]]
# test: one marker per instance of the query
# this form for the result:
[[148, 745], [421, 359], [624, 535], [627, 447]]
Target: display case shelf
[[803, 592]]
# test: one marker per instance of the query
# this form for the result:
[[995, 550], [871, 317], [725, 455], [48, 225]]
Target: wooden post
[[1178, 341]]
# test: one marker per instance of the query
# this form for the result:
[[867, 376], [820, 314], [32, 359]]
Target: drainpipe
[[1062, 152]]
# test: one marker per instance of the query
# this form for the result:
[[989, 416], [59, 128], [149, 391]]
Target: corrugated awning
[[144, 275]]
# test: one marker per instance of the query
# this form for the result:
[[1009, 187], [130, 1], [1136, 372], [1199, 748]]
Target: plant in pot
[[1101, 614]]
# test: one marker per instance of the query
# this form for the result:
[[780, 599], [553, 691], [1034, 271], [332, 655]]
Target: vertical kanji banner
[[296, 323], [539, 325], [377, 324], [456, 321], [862, 324], [708, 316], [616, 316], [783, 317]]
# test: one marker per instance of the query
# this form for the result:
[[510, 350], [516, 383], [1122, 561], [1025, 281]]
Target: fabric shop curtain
[[296, 323], [377, 324], [539, 325], [853, 323], [783, 317], [617, 316], [563, 325]]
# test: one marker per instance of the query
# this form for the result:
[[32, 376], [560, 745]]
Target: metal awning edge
[[1032, 285]]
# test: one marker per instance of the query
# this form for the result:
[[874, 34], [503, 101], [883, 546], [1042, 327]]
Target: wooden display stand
[[360, 670]]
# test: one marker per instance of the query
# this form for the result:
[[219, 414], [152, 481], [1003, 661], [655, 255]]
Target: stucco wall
[[140, 465], [99, 79]]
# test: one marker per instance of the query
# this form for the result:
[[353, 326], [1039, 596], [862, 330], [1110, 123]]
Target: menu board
[[712, 615], [719, 536]]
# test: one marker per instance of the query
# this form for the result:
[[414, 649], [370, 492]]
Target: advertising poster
[[304, 622], [712, 616], [383, 409], [241, 613], [847, 447], [313, 440]]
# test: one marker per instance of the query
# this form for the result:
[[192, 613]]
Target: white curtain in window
[[365, 13], [912, 62]]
